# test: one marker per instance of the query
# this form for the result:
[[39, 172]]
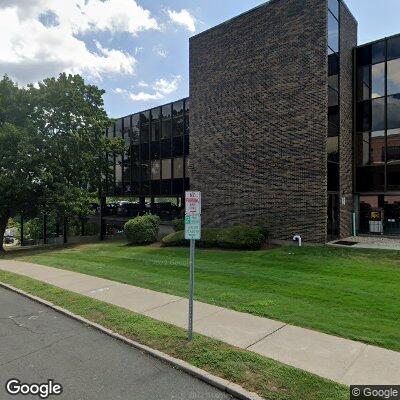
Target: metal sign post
[[192, 233]]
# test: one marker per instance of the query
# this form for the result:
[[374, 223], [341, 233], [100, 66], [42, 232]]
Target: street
[[38, 344]]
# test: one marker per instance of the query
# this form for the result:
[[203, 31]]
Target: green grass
[[346, 292], [270, 379]]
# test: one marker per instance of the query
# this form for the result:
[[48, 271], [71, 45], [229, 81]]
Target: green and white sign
[[193, 227]]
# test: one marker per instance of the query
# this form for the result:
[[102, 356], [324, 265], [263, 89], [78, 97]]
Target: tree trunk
[[3, 227]]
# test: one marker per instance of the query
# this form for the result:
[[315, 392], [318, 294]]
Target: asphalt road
[[37, 344]]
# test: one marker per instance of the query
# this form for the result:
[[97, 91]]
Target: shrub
[[179, 224], [143, 229], [237, 237]]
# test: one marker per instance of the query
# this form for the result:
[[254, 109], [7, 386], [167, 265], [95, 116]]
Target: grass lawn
[[347, 292], [268, 378]]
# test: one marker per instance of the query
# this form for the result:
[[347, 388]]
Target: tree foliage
[[52, 147]]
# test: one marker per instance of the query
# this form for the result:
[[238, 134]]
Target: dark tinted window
[[393, 49], [364, 83], [333, 81], [370, 179], [166, 129], [364, 116], [144, 133], [378, 114], [187, 105], [155, 113], [145, 117], [333, 99], [393, 77], [177, 127], [155, 131], [364, 56], [333, 115], [333, 64], [393, 113], [378, 52], [333, 177]]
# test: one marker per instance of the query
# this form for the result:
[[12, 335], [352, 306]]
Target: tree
[[52, 148]]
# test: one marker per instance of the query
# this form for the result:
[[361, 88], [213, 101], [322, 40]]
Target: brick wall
[[258, 89], [348, 41]]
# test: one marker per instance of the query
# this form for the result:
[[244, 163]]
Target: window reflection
[[155, 170], [378, 114], [393, 113], [393, 77], [333, 98], [364, 83], [378, 52], [333, 6], [333, 149], [166, 169], [393, 48], [378, 80], [333, 33], [393, 146]]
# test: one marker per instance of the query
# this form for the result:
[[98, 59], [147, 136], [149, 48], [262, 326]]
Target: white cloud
[[34, 46], [160, 51], [160, 89], [183, 18]]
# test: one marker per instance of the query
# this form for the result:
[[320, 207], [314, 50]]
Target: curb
[[222, 384]]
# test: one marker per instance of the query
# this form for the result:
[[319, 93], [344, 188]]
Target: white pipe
[[297, 238]]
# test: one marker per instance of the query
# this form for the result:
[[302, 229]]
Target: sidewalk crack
[[269, 334]]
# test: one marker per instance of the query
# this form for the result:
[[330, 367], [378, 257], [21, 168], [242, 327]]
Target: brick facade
[[258, 90], [348, 41]]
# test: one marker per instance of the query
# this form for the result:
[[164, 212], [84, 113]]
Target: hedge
[[143, 229], [179, 224], [237, 237]]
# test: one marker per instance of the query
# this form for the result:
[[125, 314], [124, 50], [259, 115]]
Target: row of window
[[374, 53], [333, 95], [378, 80], [379, 114]]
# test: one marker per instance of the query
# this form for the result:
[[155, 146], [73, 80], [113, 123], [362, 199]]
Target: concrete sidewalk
[[338, 359]]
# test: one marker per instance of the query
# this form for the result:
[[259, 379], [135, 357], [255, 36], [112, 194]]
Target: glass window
[[145, 117], [333, 64], [333, 115], [364, 83], [145, 168], [364, 116], [333, 149], [166, 168], [166, 129], [333, 33], [333, 177], [177, 127], [186, 125], [393, 146], [378, 114], [393, 113], [144, 133], [393, 77], [155, 131], [177, 108], [333, 6], [371, 179], [378, 52], [166, 111], [364, 55], [178, 168], [110, 131], [333, 99], [393, 176], [376, 148], [393, 48], [187, 105], [378, 80], [127, 123], [155, 170], [155, 113], [118, 126], [333, 81]]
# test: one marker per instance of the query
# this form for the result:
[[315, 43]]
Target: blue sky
[[137, 50]]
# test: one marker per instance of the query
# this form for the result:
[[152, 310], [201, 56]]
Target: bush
[[179, 224], [237, 237], [143, 229]]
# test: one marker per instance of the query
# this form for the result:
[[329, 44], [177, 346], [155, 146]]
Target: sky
[[136, 50]]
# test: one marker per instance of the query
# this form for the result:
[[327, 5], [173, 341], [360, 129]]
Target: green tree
[[52, 148]]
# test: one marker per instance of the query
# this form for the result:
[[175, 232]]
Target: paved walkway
[[371, 242], [338, 359]]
